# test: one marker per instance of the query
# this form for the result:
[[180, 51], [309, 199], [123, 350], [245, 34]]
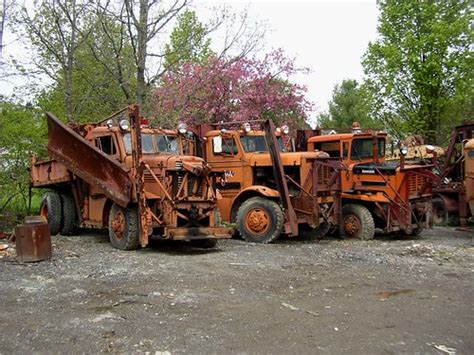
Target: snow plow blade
[[89, 163]]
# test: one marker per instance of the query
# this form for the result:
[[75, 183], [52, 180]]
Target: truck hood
[[192, 164], [290, 158], [385, 168]]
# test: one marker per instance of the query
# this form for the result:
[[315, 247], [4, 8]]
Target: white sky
[[329, 37]]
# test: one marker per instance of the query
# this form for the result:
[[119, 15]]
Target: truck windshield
[[253, 144], [362, 148], [154, 143]]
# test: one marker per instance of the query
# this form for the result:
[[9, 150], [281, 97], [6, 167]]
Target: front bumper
[[198, 233]]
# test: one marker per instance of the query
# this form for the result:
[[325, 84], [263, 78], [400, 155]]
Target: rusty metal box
[[33, 242]]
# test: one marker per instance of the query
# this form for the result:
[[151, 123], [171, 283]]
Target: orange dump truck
[[376, 194], [133, 179], [269, 189]]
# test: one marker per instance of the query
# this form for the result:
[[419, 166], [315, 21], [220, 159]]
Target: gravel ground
[[389, 295]]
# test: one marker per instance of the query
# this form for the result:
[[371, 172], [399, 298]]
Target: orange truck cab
[[253, 195], [377, 194]]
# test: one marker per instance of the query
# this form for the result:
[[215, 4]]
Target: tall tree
[[144, 22], [188, 42], [350, 102], [52, 28], [420, 68]]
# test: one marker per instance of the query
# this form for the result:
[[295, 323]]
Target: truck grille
[[324, 173], [150, 179], [192, 181], [415, 183]]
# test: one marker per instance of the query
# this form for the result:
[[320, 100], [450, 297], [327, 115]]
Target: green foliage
[[350, 102], [98, 91], [188, 42], [420, 69], [22, 133]]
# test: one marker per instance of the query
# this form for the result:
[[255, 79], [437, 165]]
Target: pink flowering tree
[[232, 91]]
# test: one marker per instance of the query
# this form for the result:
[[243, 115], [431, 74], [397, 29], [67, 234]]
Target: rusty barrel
[[33, 240]]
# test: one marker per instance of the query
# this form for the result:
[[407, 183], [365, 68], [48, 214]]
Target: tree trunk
[[142, 51], [2, 27], [71, 46]]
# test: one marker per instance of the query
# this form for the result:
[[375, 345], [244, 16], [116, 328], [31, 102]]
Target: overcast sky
[[329, 37]]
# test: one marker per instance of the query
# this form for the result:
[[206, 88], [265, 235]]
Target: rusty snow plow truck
[[394, 197], [133, 179], [269, 189]]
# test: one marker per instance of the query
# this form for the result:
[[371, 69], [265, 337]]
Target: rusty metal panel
[[33, 242], [291, 225], [88, 162]]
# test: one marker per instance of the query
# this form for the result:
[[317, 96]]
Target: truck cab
[[252, 194], [392, 196]]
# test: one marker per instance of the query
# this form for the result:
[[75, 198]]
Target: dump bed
[[72, 155], [48, 173]]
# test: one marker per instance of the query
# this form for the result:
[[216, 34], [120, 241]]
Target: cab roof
[[340, 136], [144, 130], [254, 133]]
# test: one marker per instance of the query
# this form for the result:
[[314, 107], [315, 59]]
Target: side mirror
[[217, 144]]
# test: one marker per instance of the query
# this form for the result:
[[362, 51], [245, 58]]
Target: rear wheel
[[357, 222], [123, 227], [259, 220], [69, 215], [440, 212], [51, 210], [204, 243]]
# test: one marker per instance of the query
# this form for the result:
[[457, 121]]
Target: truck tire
[[51, 210], [319, 232], [204, 243], [357, 222], [440, 212], [123, 227], [260, 220], [69, 215]]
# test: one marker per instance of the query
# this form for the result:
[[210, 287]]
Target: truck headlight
[[430, 149], [246, 127], [109, 123], [182, 128], [124, 125]]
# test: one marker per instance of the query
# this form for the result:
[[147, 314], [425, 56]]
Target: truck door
[[225, 154]]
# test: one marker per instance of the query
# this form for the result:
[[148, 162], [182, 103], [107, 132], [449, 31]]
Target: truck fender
[[256, 190]]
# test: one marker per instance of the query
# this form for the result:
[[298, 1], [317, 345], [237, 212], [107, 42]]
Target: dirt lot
[[390, 295]]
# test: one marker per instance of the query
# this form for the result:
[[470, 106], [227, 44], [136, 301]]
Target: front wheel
[[123, 227], [260, 220], [357, 222]]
